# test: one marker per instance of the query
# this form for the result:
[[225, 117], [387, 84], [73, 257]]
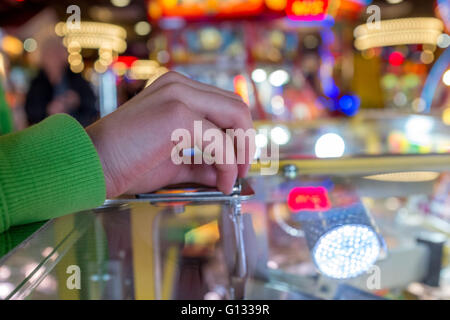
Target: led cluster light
[[346, 251], [343, 241]]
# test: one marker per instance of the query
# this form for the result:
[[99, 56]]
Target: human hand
[[134, 142], [71, 100], [56, 106], [64, 103]]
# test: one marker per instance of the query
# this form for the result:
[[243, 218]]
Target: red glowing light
[[396, 58], [308, 198], [307, 10], [127, 60]]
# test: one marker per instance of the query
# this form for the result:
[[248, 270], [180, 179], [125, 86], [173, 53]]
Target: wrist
[[109, 181]]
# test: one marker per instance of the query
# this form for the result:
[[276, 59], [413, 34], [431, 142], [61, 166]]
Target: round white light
[[261, 140], [278, 78], [142, 28], [280, 135], [277, 105], [418, 129], [446, 78], [443, 41], [30, 45], [259, 75], [330, 145], [346, 251], [400, 99], [120, 3]]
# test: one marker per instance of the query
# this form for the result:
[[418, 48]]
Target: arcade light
[[329, 145], [120, 3], [279, 78], [109, 39], [446, 78], [349, 104], [280, 135], [398, 32], [261, 140], [259, 75], [347, 251], [344, 242]]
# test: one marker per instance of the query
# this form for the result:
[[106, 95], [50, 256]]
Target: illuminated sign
[[307, 10], [201, 8], [308, 198]]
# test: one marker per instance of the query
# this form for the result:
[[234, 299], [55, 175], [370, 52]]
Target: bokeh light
[[330, 145]]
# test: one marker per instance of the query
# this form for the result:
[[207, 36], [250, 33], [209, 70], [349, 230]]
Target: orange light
[[12, 45], [154, 10], [197, 9], [241, 88], [276, 5]]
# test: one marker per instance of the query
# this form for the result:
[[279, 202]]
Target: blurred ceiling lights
[[94, 35], [398, 32], [109, 39], [143, 69]]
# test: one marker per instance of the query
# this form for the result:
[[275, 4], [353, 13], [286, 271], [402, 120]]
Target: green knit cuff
[[48, 170]]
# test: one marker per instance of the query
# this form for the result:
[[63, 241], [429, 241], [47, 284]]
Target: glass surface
[[369, 133], [188, 250]]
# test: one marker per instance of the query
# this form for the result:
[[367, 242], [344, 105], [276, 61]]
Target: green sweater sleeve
[[6, 119], [48, 170]]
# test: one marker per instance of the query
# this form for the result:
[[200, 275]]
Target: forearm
[[48, 170]]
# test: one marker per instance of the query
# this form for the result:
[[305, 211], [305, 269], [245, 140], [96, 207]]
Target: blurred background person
[[56, 89]]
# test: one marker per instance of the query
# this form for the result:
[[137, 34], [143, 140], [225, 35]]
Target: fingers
[[175, 77], [217, 151], [221, 110], [167, 173]]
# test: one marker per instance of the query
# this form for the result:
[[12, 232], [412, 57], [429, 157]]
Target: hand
[[64, 103], [56, 106], [134, 142], [71, 100]]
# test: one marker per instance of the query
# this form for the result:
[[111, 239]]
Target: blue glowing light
[[349, 104], [346, 251]]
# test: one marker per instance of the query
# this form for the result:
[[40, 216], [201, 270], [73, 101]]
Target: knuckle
[[177, 109], [241, 105], [242, 111], [237, 96], [174, 89], [171, 76]]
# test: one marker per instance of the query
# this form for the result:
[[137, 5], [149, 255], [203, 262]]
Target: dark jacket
[[41, 94]]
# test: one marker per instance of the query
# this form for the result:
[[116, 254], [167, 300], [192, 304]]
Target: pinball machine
[[358, 207]]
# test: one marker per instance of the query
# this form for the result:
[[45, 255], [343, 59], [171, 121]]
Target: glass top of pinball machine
[[335, 234]]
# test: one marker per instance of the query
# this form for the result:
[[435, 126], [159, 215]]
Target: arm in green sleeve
[[6, 118], [48, 170]]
